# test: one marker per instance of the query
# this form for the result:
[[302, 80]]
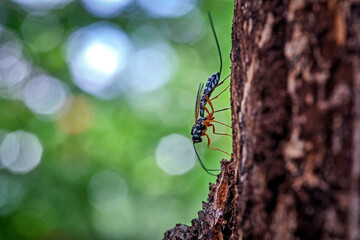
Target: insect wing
[[197, 103]]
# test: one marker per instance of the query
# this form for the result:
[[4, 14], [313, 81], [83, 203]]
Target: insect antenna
[[202, 165], [217, 43]]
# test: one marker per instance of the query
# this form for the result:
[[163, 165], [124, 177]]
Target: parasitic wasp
[[202, 122]]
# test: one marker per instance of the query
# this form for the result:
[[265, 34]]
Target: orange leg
[[212, 107], [207, 110], [211, 125], [220, 123], [209, 101], [208, 145]]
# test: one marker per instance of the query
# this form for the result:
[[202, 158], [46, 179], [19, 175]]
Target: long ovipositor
[[213, 80]]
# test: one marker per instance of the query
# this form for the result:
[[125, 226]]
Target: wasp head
[[197, 130]]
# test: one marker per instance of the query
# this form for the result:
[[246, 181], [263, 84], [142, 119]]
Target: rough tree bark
[[295, 86]]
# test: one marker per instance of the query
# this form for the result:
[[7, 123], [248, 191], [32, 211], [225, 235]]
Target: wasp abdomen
[[211, 84]]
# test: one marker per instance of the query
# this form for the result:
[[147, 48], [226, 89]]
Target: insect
[[203, 122]]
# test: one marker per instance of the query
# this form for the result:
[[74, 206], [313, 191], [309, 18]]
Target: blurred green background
[[96, 106]]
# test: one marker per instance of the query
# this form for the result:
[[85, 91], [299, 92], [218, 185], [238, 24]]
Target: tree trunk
[[296, 126]]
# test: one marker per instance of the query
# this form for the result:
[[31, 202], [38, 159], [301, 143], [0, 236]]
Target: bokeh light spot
[[20, 151], [9, 150], [175, 154], [101, 57], [44, 94], [167, 8], [2, 136], [151, 67], [105, 8], [13, 67], [97, 54], [107, 191], [39, 6]]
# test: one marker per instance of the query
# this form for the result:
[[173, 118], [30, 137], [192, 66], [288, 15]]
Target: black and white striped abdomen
[[211, 84]]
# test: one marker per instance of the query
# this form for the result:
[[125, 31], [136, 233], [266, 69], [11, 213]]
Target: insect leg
[[208, 145], [222, 110], [220, 93], [223, 80], [207, 110], [211, 125], [220, 123], [209, 100], [212, 107]]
